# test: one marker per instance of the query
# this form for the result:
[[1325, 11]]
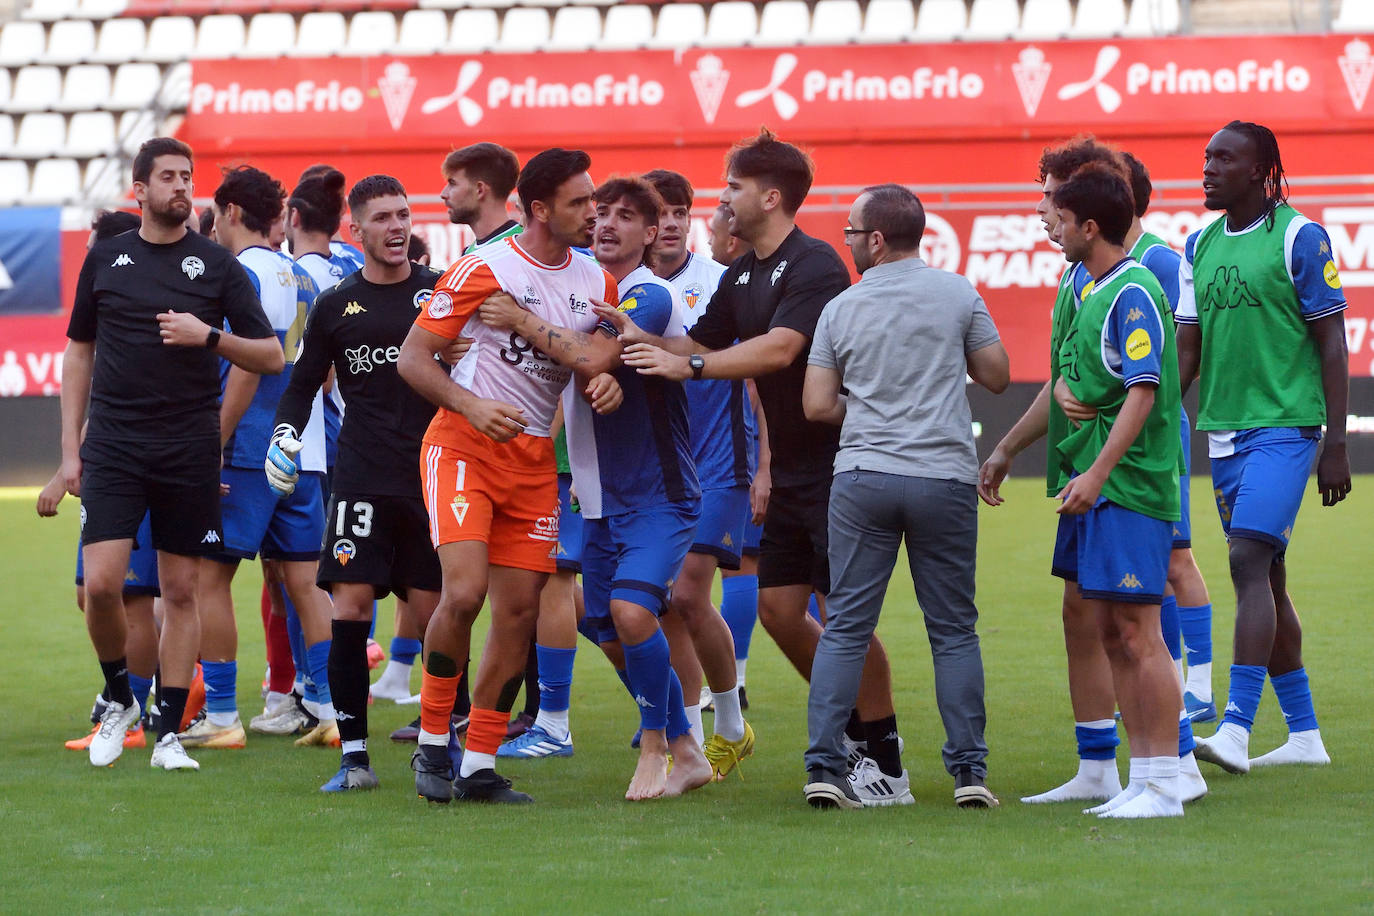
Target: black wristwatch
[[697, 362], [212, 339]]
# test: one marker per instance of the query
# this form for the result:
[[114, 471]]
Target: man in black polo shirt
[[769, 300], [145, 341]]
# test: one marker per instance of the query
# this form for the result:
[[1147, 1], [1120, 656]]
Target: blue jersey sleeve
[[1134, 337], [1081, 279], [650, 307], [1163, 263], [1315, 278], [1185, 307]]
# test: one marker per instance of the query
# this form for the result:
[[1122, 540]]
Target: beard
[[174, 212]]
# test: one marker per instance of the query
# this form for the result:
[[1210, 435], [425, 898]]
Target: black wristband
[[212, 339]]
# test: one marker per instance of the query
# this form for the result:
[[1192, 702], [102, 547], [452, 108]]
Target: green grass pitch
[[251, 832]]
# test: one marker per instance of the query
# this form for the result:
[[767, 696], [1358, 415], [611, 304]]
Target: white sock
[[740, 665], [1097, 770], [222, 719], [1199, 681], [694, 719], [1163, 767], [473, 761], [439, 739], [729, 722], [312, 707], [326, 713], [355, 747], [397, 672], [275, 699], [1139, 773], [555, 722], [1182, 678]]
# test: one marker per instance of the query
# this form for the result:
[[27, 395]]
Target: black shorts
[[176, 483], [382, 541], [793, 549]]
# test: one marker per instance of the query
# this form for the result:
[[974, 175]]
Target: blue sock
[[1247, 682], [221, 683], [1169, 623], [372, 633], [1185, 736], [404, 650], [739, 605], [647, 665], [1292, 689], [317, 659], [677, 714], [140, 687], [555, 677], [813, 608], [1096, 743], [296, 636], [625, 679], [1196, 624]]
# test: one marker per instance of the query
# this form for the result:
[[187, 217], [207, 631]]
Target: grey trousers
[[870, 512]]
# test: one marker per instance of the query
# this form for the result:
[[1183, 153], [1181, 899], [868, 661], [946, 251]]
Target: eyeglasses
[[848, 231]]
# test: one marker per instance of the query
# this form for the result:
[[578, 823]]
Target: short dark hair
[[109, 223], [1060, 162], [897, 214], [490, 163], [640, 195], [372, 187], [1141, 187], [258, 194], [673, 187], [206, 220], [1098, 192], [319, 201], [545, 173], [417, 248], [158, 146], [314, 171], [773, 164]]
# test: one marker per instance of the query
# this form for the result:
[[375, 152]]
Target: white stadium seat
[[14, 181], [120, 41], [1355, 16], [87, 86], [1161, 17], [40, 135], [269, 35], [783, 22], [836, 22], [371, 32], [422, 32], [6, 131], [55, 181], [888, 20], [473, 30], [101, 9], [170, 38], [4, 93], [134, 128], [50, 10], [575, 28], [104, 181], [679, 25], [941, 20], [443, 4], [21, 43], [135, 86], [321, 34], [90, 133], [992, 19], [220, 35], [492, 4], [1099, 19], [70, 41], [730, 23], [175, 93], [524, 29], [36, 88], [628, 25], [1046, 19]]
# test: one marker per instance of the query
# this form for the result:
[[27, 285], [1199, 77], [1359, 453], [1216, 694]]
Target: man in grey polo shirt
[[900, 343]]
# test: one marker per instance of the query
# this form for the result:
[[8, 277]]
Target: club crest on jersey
[[459, 507], [440, 304], [422, 298], [578, 306], [344, 550], [777, 272], [693, 294], [192, 267]]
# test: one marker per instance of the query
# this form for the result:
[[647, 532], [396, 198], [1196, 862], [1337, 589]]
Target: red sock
[[436, 702], [486, 730], [281, 669], [266, 606]]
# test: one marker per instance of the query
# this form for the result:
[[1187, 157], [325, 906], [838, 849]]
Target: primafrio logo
[[783, 102], [468, 110], [192, 267], [1357, 66], [1107, 96]]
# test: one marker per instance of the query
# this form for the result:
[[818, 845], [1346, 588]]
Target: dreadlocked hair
[[1267, 155]]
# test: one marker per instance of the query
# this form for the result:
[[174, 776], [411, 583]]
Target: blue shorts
[[633, 556], [753, 534], [1259, 488], [720, 530], [256, 521], [569, 554], [141, 578], [1114, 554], [1183, 528]]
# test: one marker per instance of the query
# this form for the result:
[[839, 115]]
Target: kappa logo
[[727, 541], [192, 267], [742, 279], [1129, 581], [1357, 66], [777, 273], [211, 537], [468, 110], [1228, 291], [783, 103], [396, 86], [131, 576], [1107, 97], [123, 261], [1231, 707], [459, 507], [422, 298], [708, 82], [344, 550], [639, 698], [353, 308], [1134, 314], [1032, 73]]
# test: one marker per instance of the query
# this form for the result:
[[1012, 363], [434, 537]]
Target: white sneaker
[[287, 719], [1301, 747], [392, 685], [108, 742], [878, 790], [168, 754], [271, 710], [1229, 748]]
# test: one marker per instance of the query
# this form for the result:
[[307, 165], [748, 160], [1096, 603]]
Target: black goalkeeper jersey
[[358, 328]]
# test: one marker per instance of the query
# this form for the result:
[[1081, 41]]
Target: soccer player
[[769, 300], [377, 534], [255, 520], [478, 180], [338, 246], [1118, 385], [490, 484], [145, 331], [1262, 328], [721, 429]]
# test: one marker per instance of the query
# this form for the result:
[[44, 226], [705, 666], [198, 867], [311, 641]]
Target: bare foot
[[651, 774], [690, 768]]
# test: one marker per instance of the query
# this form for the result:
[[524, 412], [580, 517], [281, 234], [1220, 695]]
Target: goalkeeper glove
[[282, 471]]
